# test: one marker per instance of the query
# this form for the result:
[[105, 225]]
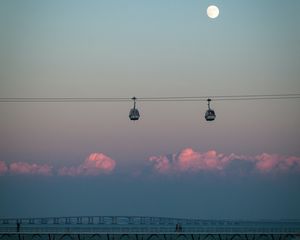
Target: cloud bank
[[25, 168], [185, 162], [94, 164], [189, 160]]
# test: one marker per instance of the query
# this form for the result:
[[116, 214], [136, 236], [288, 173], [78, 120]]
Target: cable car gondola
[[134, 114], [210, 113]]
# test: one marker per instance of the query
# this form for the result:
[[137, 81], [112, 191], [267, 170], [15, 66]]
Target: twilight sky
[[60, 159]]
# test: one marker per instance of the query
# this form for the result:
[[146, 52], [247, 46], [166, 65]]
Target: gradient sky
[[60, 159]]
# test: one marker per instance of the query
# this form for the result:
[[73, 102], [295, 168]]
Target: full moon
[[213, 11]]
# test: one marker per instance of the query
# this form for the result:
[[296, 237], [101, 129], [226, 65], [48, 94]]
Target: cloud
[[161, 163], [189, 160], [267, 162], [32, 169], [186, 161], [93, 165], [3, 168]]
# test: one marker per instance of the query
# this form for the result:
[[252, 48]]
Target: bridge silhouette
[[145, 228]]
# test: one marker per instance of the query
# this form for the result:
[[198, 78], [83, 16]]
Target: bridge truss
[[145, 228]]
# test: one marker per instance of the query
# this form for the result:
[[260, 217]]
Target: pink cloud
[[3, 167], [27, 168], [189, 160], [161, 163], [267, 162], [94, 164]]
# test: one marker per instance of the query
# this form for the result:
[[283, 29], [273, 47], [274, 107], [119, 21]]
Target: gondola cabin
[[210, 114], [134, 114]]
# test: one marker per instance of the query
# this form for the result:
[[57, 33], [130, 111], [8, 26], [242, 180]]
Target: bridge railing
[[136, 220], [50, 229], [123, 224]]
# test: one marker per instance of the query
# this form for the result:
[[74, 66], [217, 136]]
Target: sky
[[70, 159]]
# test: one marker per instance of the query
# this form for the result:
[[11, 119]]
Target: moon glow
[[212, 11]]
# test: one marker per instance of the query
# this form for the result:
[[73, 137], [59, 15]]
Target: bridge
[[145, 228]]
